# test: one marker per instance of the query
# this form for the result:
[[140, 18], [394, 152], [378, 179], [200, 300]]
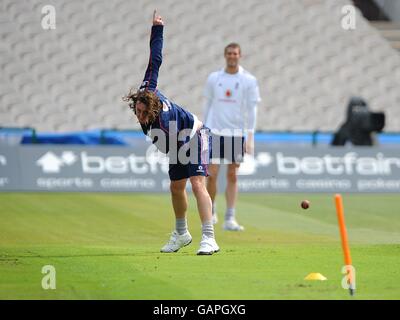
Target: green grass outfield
[[106, 246]]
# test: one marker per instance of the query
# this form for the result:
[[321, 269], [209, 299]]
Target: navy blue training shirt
[[184, 120]]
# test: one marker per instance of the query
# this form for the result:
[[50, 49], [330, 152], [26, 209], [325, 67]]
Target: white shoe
[[232, 225], [214, 218], [176, 242], [208, 246]]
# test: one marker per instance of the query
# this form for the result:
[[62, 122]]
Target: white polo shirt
[[231, 102]]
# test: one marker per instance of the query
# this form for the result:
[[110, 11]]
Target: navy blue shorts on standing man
[[229, 149]]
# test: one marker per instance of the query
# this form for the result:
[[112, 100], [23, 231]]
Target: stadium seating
[[307, 65]]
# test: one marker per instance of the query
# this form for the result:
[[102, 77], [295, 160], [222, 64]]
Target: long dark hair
[[148, 98]]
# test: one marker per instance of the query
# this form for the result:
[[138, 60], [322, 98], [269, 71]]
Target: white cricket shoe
[[214, 218], [176, 242], [208, 246], [232, 225]]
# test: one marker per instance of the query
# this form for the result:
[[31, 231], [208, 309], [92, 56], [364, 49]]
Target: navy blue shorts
[[229, 148], [197, 157]]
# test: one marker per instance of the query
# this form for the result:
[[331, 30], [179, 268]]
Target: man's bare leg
[[231, 193], [202, 197], [179, 198], [213, 170]]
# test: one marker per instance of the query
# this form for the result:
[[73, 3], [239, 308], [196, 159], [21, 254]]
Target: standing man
[[179, 133], [230, 112]]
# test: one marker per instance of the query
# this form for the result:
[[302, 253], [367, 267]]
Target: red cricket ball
[[305, 204]]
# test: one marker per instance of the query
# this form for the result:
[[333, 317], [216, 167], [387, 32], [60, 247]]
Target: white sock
[[230, 213], [181, 226], [207, 229]]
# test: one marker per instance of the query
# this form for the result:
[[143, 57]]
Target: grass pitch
[[106, 246]]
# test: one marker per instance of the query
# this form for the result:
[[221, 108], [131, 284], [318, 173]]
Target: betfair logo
[[51, 163], [250, 163]]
